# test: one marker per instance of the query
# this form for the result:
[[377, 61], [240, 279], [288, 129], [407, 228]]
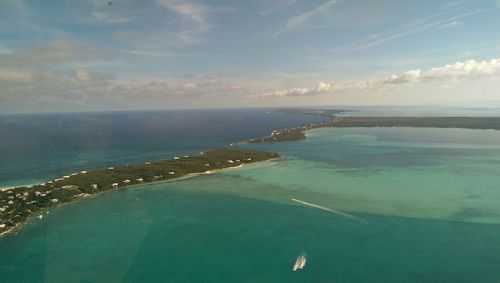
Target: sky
[[93, 55]]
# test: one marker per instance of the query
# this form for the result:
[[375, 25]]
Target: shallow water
[[426, 201], [38, 147]]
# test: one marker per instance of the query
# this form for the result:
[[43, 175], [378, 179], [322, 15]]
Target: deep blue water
[[37, 147]]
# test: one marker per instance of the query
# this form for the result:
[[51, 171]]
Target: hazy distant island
[[17, 204], [334, 120]]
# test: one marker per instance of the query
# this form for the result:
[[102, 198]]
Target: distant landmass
[[298, 133]]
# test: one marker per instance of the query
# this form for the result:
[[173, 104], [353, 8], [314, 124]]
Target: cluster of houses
[[42, 192], [9, 209]]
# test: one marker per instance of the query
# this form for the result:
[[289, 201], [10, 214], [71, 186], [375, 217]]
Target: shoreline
[[46, 210], [20, 204], [334, 121], [136, 186]]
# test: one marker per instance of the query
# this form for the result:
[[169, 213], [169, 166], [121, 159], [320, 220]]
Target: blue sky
[[87, 55]]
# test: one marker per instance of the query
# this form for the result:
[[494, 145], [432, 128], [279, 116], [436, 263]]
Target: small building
[[171, 173], [70, 187], [94, 186], [66, 177], [176, 157], [126, 181], [139, 180], [54, 200], [111, 168], [230, 161], [114, 185], [2, 225], [83, 172], [147, 163]]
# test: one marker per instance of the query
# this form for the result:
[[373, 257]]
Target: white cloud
[[13, 75], [470, 69], [106, 18], [303, 18], [411, 28], [193, 18], [319, 89], [52, 52], [194, 12], [451, 24], [456, 72]]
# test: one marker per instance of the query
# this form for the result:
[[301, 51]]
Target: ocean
[[38, 147], [364, 205]]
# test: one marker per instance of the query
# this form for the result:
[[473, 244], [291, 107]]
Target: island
[[335, 120], [18, 204]]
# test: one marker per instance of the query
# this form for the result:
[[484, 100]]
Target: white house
[[94, 186], [171, 173], [114, 185]]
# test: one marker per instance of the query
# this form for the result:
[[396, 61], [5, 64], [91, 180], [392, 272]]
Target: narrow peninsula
[[17, 204], [334, 120]]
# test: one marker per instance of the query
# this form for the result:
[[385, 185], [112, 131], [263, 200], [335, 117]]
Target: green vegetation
[[292, 134], [298, 133], [429, 122], [19, 203]]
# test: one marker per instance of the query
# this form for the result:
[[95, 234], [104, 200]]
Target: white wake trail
[[347, 215]]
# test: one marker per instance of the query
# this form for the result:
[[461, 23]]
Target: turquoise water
[[39, 147], [424, 207]]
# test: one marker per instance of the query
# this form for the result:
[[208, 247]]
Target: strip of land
[[298, 133], [17, 204]]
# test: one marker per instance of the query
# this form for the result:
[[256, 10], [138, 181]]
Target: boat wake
[[347, 215]]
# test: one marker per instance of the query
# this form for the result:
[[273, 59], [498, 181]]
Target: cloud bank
[[456, 72]]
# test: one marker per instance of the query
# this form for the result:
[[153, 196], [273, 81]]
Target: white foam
[[347, 215]]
